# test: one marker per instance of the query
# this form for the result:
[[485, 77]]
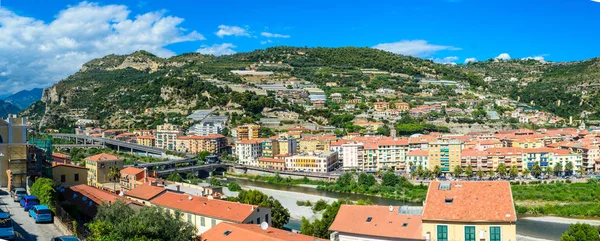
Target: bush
[[593, 181], [568, 181], [320, 205], [43, 189], [304, 203], [234, 187]]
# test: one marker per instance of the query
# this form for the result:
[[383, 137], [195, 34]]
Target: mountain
[[24, 98], [7, 108]]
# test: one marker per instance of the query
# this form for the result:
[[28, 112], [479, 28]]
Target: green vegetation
[[215, 182], [234, 187], [392, 186], [280, 215], [557, 198], [43, 189], [320, 227], [319, 205], [120, 222], [174, 177], [304, 203], [581, 232], [278, 180]]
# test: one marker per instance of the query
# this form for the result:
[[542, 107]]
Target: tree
[[215, 182], [280, 215], [480, 174], [437, 171], [469, 171], [569, 168], [118, 221], [536, 170], [234, 187], [513, 172], [581, 232], [491, 173], [525, 172], [345, 180], [420, 170], [114, 174], [389, 179], [501, 170], [581, 171], [43, 189], [201, 157], [366, 180], [225, 131], [175, 177], [457, 171], [320, 227], [557, 169]]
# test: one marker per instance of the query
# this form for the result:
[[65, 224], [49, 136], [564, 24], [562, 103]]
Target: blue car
[[29, 201], [65, 238], [41, 214], [6, 227]]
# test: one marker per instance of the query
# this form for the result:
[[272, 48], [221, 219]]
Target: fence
[[69, 222]]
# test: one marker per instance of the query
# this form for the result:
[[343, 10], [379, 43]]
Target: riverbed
[[528, 228]]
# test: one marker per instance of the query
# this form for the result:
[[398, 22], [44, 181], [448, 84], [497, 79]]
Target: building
[[469, 211], [370, 158], [248, 151], [205, 213], [252, 232], [376, 223], [402, 106], [146, 141], [287, 145], [206, 128], [213, 143], [87, 199], [13, 152], [381, 106], [370, 126], [67, 175], [391, 154], [312, 162], [316, 143], [271, 163], [144, 193], [61, 158], [478, 160], [446, 155], [99, 166], [270, 148], [418, 158], [130, 177], [352, 155], [166, 135], [509, 156], [248, 132]]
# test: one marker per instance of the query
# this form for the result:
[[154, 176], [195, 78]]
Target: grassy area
[[559, 199], [278, 180]]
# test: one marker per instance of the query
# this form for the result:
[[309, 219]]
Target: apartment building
[[271, 163], [67, 175], [391, 154], [99, 166], [287, 145], [206, 128], [248, 132], [352, 156], [166, 135], [381, 106], [248, 151], [270, 148], [418, 158], [13, 151], [312, 162], [402, 106], [446, 155], [370, 159], [509, 156], [146, 141], [316, 143], [478, 160]]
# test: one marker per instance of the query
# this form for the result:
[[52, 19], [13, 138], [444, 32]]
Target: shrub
[[234, 187], [593, 181], [320, 205]]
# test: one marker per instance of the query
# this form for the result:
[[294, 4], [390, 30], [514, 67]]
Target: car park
[[17, 193], [41, 214], [29, 201]]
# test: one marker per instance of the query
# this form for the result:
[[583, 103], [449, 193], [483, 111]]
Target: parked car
[[41, 214], [7, 231], [65, 238], [16, 193], [29, 201]]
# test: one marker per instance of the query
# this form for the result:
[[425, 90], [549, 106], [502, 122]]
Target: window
[[258, 220], [267, 217], [214, 223], [469, 233], [189, 218], [202, 222], [495, 233], [76, 177], [63, 178], [442, 233]]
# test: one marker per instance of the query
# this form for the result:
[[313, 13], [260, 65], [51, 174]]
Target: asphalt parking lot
[[25, 227]]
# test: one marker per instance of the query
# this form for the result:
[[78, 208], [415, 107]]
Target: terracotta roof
[[470, 202], [96, 195], [538, 150], [393, 142], [145, 192], [418, 153], [223, 210], [353, 219], [60, 155], [102, 157], [473, 153], [131, 171], [252, 232], [145, 137], [505, 151], [67, 165], [266, 159], [253, 141], [371, 146]]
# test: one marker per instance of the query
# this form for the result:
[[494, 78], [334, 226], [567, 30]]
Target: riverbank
[[552, 219]]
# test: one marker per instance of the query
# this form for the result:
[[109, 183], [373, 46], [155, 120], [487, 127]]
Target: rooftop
[[145, 192], [377, 221], [102, 157], [131, 171], [252, 232]]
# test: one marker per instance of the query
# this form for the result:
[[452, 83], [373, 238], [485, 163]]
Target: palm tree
[[437, 171], [420, 170], [536, 170], [501, 170], [581, 171], [513, 172], [469, 172], [115, 175], [569, 168], [492, 173], [558, 169], [480, 173], [457, 171], [525, 172]]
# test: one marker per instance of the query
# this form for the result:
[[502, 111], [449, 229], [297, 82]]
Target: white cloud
[[274, 35], [418, 48], [470, 60], [538, 58], [225, 30], [598, 1], [503, 56], [218, 49], [37, 54], [266, 41], [446, 60]]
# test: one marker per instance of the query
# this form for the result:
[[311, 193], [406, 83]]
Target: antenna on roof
[[264, 226], [391, 208]]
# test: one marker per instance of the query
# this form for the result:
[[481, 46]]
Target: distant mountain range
[[19, 101]]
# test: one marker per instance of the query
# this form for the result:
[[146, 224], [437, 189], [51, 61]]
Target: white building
[[392, 154], [166, 135], [207, 128], [248, 151], [322, 162], [352, 155]]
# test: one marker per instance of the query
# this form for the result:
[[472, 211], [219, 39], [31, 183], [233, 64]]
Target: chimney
[[178, 188]]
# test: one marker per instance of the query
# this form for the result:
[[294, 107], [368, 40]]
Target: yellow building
[[469, 211], [446, 155], [68, 175], [13, 152], [166, 135], [524, 142], [99, 166], [213, 143], [312, 162], [146, 140], [316, 143], [271, 163], [248, 132]]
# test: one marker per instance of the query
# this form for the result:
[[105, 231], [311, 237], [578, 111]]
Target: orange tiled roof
[[473, 153], [353, 219], [470, 202], [253, 141], [505, 151], [131, 171], [393, 142], [371, 146], [60, 155], [145, 192], [266, 159], [102, 157], [418, 153], [67, 165], [252, 232], [96, 195], [145, 137], [223, 210]]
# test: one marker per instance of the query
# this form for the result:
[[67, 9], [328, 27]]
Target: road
[[24, 225]]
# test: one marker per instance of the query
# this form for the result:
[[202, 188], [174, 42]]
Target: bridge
[[82, 146], [202, 170], [165, 164], [115, 144]]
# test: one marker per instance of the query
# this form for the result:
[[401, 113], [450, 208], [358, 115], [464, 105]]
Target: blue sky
[[443, 30]]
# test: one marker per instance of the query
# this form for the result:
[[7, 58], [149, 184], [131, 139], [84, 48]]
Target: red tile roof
[[96, 195], [60, 155], [67, 165], [418, 153], [131, 171], [145, 192], [145, 137], [490, 201], [266, 159], [223, 210], [102, 157], [393, 142], [353, 219], [252, 232]]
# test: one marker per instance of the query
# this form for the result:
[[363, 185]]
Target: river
[[535, 229]]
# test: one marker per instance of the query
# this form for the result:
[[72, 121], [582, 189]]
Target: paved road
[[26, 228]]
